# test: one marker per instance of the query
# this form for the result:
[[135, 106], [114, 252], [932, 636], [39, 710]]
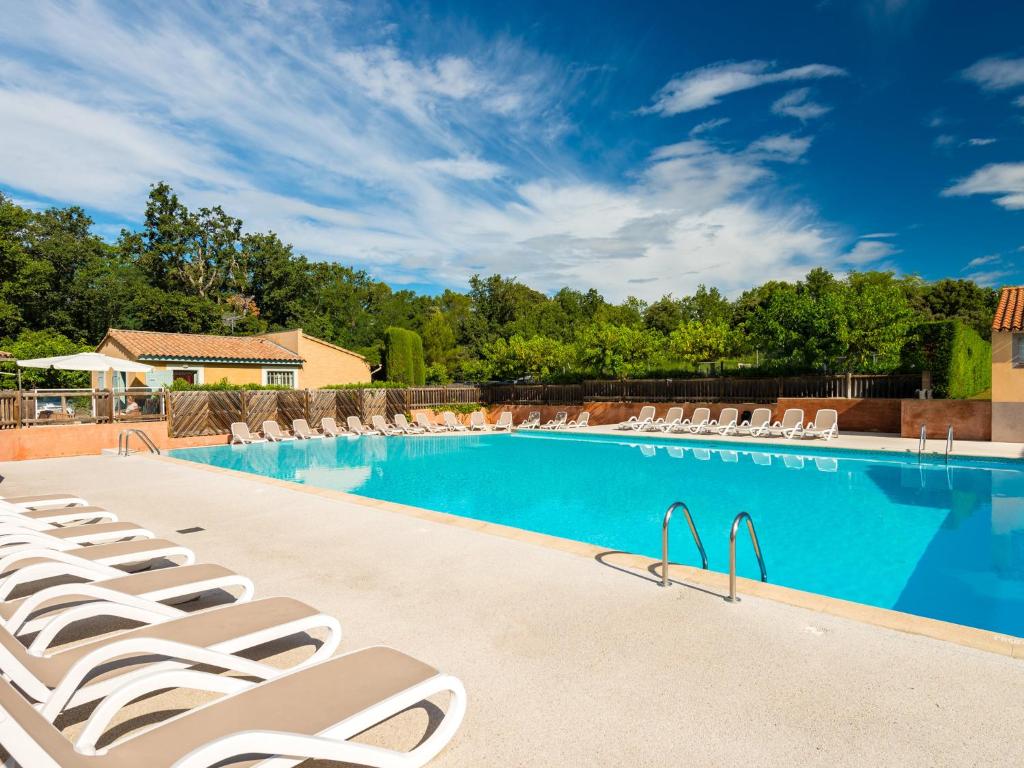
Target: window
[[280, 378], [1018, 350], [189, 376]]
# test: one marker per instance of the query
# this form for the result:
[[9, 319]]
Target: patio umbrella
[[86, 361]]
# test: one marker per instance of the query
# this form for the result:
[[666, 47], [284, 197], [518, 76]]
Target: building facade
[[1008, 367]]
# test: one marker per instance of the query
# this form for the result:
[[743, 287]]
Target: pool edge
[[936, 629]]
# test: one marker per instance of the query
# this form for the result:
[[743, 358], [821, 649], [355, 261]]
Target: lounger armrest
[[126, 607], [38, 571], [148, 646]]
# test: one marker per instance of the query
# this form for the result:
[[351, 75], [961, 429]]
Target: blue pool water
[[876, 528]]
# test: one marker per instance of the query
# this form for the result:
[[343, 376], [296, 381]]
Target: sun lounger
[[273, 432], [355, 426], [556, 423], [641, 421], [532, 421], [452, 423], [240, 434], [330, 427], [581, 421], [504, 422], [168, 639], [790, 426], [726, 422], [12, 534], [669, 421], [128, 555], [41, 501], [61, 515], [380, 424], [424, 421], [825, 425], [308, 713], [165, 585], [758, 425], [302, 430], [403, 424], [478, 422], [697, 423]]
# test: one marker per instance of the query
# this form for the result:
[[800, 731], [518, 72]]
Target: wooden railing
[[427, 397], [39, 407]]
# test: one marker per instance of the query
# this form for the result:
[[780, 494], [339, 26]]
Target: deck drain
[[193, 529]]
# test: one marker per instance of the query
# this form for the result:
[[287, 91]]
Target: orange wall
[[325, 363], [971, 419], [88, 439]]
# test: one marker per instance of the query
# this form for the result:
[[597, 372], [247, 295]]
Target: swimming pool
[[875, 528]]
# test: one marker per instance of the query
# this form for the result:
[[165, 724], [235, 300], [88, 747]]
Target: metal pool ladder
[[664, 539], [949, 442], [733, 597], [124, 437], [921, 442]]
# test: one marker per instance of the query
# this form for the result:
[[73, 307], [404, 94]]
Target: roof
[[154, 345], [1010, 312]]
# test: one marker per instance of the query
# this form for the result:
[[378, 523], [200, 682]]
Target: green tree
[[618, 351], [44, 343]]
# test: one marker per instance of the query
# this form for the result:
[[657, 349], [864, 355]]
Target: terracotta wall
[[855, 415], [971, 419], [325, 363], [87, 439]]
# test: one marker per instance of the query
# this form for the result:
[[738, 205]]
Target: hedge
[[403, 356], [959, 359]]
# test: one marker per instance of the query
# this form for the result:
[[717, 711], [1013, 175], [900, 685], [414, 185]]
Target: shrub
[[180, 385], [403, 356], [368, 385], [959, 359], [462, 408]]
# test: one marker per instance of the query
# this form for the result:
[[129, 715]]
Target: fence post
[[305, 404], [167, 410], [243, 408], [849, 384]]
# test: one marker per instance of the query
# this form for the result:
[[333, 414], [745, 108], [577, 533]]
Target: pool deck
[[858, 441], [573, 660]]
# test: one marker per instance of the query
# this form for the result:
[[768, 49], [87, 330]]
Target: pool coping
[[685, 575]]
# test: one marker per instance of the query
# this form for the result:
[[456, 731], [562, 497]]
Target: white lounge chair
[[790, 426], [532, 421], [641, 421], [453, 423], [478, 422], [127, 555], [758, 424], [697, 423], [302, 430], [330, 427], [60, 515], [16, 533], [504, 422], [273, 432], [424, 421], [726, 422], [287, 717], [825, 424], [558, 422], [380, 424], [410, 429], [240, 434], [582, 420], [41, 501], [669, 421], [169, 639], [356, 427]]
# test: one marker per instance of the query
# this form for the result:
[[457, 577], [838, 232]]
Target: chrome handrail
[[921, 442], [124, 437], [732, 598], [664, 539], [949, 442]]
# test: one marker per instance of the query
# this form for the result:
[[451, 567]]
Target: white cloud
[[1019, 101], [990, 278], [708, 125], [419, 169], [981, 261], [869, 249], [796, 104], [996, 73], [981, 142], [944, 140], [706, 86], [1005, 180]]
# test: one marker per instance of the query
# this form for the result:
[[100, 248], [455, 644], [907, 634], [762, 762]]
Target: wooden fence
[[209, 413], [79, 406]]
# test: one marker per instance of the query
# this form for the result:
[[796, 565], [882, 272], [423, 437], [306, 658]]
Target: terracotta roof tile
[[1010, 312], [153, 345]]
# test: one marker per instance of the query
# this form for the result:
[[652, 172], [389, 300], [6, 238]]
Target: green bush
[[403, 356], [369, 385], [180, 385], [456, 408], [959, 359]]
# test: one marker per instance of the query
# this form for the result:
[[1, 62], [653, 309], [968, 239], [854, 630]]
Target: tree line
[[199, 271]]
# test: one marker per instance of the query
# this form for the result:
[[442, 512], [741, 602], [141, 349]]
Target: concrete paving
[[569, 661]]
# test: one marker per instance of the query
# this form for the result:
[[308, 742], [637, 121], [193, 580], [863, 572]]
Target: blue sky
[[639, 148]]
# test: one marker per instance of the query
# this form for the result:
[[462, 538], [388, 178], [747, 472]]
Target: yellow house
[[1008, 367], [288, 358]]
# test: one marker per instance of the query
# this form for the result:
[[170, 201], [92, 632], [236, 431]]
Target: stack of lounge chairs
[[790, 426], [263, 714]]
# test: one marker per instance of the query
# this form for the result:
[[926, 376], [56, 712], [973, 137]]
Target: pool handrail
[[949, 442], [921, 442], [733, 597], [664, 539]]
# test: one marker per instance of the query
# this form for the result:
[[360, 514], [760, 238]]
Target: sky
[[639, 148]]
